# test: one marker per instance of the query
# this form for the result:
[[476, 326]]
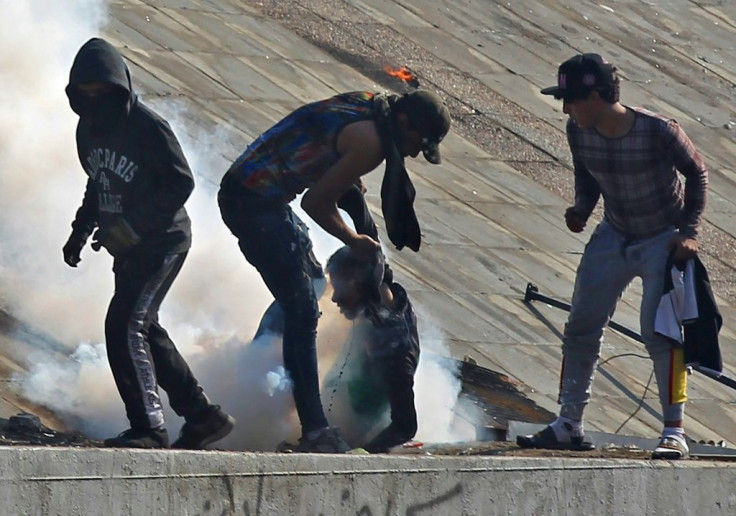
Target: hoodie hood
[[99, 61]]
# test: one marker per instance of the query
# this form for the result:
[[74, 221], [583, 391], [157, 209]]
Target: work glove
[[118, 238], [72, 250]]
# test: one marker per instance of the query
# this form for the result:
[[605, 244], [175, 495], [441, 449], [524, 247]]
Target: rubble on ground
[[26, 429]]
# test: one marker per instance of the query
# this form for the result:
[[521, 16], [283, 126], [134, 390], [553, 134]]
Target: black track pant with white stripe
[[141, 354]]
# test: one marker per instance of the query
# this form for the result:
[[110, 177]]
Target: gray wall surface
[[69, 481]]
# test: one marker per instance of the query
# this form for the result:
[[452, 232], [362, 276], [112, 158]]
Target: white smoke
[[80, 389], [216, 302], [437, 387], [41, 182], [436, 390]]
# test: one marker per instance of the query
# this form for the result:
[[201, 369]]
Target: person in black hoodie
[[138, 182]]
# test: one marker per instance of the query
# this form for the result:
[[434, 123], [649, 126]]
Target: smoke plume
[[216, 302]]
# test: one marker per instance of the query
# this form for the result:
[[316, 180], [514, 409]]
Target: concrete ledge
[[73, 481]]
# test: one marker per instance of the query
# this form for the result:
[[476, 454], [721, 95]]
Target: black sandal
[[547, 440]]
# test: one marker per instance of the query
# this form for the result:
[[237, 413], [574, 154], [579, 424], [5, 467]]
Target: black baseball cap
[[580, 75], [428, 114]]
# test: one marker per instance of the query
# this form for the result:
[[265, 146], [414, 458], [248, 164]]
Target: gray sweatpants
[[609, 263]]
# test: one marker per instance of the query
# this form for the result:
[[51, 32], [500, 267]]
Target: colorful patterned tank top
[[292, 155]]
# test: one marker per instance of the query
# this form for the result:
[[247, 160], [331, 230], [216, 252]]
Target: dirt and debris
[[26, 429], [511, 449]]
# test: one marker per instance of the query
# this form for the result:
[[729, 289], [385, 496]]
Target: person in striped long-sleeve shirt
[[634, 160]]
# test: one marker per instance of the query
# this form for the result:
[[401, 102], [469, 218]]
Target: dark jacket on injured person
[[135, 166]]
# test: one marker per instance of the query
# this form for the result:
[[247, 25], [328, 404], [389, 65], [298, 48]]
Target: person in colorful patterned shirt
[[381, 354], [631, 157], [321, 150]]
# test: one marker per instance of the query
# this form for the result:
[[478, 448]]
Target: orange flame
[[402, 73]]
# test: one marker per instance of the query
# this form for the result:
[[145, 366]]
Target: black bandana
[[102, 112], [397, 191]]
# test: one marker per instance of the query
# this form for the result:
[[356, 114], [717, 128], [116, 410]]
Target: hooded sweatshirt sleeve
[[172, 179], [86, 219]]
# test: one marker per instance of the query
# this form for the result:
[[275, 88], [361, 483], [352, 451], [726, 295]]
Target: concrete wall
[[63, 481]]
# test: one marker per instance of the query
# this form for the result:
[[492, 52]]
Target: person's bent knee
[[116, 326], [581, 344]]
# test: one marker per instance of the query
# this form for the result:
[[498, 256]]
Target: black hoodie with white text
[[135, 166]]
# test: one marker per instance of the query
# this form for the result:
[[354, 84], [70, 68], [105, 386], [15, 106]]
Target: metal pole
[[532, 294]]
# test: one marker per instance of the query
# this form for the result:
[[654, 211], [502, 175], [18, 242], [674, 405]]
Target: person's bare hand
[[364, 245], [684, 247], [574, 221]]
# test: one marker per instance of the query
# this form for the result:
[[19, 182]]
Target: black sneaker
[[328, 441], [140, 438], [195, 436], [385, 440]]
